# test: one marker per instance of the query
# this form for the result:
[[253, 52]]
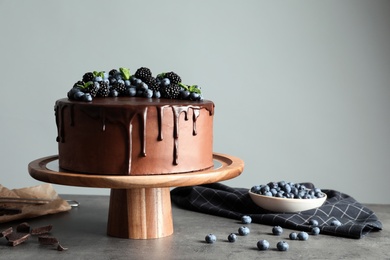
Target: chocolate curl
[[41, 230], [23, 227], [6, 232], [15, 239], [47, 240]]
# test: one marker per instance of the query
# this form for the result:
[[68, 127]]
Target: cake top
[[120, 82]]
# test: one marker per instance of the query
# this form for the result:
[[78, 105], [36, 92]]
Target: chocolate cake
[[134, 135]]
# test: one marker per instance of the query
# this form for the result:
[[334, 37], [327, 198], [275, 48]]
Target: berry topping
[[120, 82]]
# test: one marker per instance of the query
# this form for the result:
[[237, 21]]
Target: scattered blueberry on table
[[262, 244], [232, 237], [277, 230], [315, 231], [246, 219], [243, 231], [282, 246], [303, 236], [293, 236], [210, 238]]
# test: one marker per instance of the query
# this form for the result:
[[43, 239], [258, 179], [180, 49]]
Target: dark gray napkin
[[221, 200]]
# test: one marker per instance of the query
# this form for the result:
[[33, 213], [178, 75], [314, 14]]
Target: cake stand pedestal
[[140, 206]]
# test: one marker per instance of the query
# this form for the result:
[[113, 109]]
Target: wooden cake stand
[[140, 206]]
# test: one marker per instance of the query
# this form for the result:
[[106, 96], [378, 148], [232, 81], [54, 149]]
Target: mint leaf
[[125, 73], [86, 85], [183, 86], [195, 89], [98, 74]]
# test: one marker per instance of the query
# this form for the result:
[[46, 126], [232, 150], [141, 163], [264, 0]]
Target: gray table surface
[[83, 231]]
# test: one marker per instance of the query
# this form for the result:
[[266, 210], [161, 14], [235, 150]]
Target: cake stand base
[[140, 206], [142, 213]]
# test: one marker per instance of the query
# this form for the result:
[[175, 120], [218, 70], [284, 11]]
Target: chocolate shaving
[[15, 239], [23, 227], [6, 232], [41, 230], [61, 248], [47, 240]]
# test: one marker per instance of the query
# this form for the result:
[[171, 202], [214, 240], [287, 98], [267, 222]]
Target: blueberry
[[165, 82], [279, 194], [184, 94], [268, 193], [315, 231], [282, 246], [87, 97], [313, 222], [98, 78], [273, 185], [156, 94], [264, 189], [72, 92], [143, 86], [255, 189], [246, 219], [131, 92], [148, 93], [113, 93], [127, 83], [78, 95], [194, 96], [303, 235], [335, 223], [140, 93], [277, 230], [210, 238], [262, 244], [287, 188], [112, 80], [137, 82], [232, 237], [293, 236], [243, 231]]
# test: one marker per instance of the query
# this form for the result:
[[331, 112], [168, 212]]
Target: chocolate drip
[[177, 110], [195, 115], [103, 118], [59, 109], [125, 118]]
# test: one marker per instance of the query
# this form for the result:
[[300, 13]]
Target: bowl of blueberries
[[286, 197]]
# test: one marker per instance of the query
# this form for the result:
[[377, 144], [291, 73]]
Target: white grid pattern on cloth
[[221, 200]]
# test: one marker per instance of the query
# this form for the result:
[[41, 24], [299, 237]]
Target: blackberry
[[172, 91], [93, 89], [103, 90], [78, 84], [143, 73], [113, 72], [152, 83], [173, 77], [88, 77], [119, 86]]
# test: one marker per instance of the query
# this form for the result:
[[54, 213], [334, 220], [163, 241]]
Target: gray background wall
[[301, 88]]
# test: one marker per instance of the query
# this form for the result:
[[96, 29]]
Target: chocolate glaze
[[124, 111]]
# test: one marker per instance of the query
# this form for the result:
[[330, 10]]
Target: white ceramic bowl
[[285, 205]]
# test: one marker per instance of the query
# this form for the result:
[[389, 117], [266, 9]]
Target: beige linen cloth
[[44, 191]]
